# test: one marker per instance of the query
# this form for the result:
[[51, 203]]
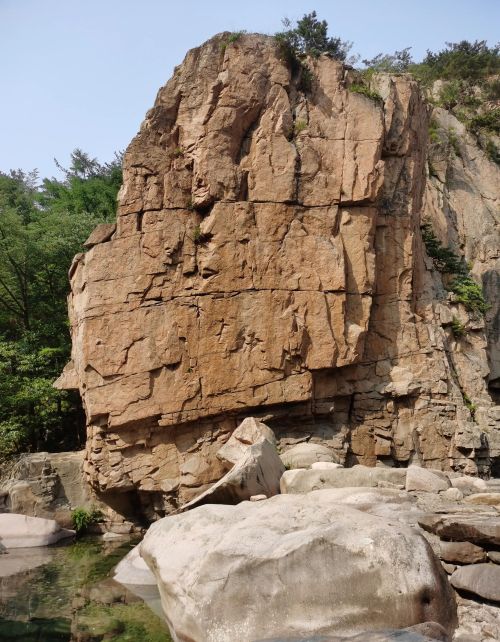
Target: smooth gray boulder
[[305, 454], [258, 472], [305, 481], [21, 531], [292, 566], [421, 479], [480, 579]]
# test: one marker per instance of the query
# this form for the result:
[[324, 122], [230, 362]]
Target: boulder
[[305, 454], [479, 529], [489, 499], [480, 579], [325, 465], [132, 569], [421, 479], [452, 494], [257, 473], [304, 481], [249, 432], [469, 485], [461, 552], [494, 556], [291, 566], [21, 531], [102, 233]]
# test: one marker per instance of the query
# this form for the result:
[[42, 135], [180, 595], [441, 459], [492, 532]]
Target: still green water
[[66, 594]]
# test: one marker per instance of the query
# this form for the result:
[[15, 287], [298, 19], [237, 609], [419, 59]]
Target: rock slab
[[21, 531], [480, 579]]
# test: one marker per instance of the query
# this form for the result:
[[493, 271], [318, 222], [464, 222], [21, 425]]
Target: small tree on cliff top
[[310, 38]]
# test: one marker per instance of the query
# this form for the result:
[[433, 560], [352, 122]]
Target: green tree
[[310, 38], [41, 229]]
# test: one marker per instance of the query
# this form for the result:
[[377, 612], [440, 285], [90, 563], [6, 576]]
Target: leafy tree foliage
[[397, 62], [466, 290], [41, 229], [464, 60], [310, 38]]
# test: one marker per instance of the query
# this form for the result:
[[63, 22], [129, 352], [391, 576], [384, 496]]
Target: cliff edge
[[268, 261]]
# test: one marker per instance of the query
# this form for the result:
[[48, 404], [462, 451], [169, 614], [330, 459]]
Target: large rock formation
[[292, 566], [267, 261]]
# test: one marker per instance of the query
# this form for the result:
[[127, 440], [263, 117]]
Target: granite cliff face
[[267, 260]]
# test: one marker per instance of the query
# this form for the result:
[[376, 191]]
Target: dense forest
[[43, 224]]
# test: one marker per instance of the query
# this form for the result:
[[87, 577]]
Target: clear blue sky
[[82, 73]]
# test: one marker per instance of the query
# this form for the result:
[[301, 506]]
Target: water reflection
[[65, 594]]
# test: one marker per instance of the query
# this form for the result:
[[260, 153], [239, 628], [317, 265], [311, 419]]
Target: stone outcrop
[[20, 531], [47, 485], [267, 260], [293, 566]]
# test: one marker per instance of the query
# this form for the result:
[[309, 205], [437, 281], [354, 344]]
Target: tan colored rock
[[478, 529], [461, 552], [48, 485], [488, 499], [267, 261]]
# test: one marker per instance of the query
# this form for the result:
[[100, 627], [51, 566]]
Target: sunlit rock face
[[267, 261]]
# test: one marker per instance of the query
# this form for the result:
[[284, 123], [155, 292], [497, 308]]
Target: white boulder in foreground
[[21, 531], [292, 566], [132, 569]]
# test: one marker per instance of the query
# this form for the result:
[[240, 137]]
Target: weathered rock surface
[[479, 529], [469, 485], [267, 259], [418, 478], [46, 485], [321, 568], [461, 552], [249, 432], [304, 481], [428, 632], [480, 579], [20, 531], [305, 454], [488, 499], [257, 473]]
